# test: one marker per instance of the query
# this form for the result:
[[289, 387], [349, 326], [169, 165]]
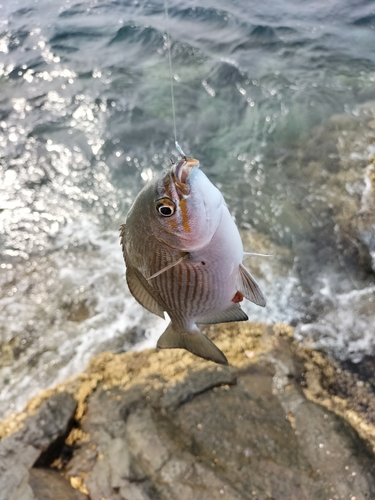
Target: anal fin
[[249, 287], [233, 313], [141, 294], [194, 342]]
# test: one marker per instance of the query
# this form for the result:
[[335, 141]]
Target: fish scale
[[190, 292], [183, 255]]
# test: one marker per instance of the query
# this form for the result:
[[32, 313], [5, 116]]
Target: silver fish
[[183, 255]]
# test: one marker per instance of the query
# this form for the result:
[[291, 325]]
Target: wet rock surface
[[332, 220], [337, 163], [281, 422]]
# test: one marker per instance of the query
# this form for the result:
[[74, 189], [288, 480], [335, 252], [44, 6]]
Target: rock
[[19, 451], [337, 165], [47, 484], [166, 425], [334, 237], [226, 436], [196, 383]]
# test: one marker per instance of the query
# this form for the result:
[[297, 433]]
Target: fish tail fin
[[194, 342]]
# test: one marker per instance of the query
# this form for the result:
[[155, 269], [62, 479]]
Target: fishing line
[[178, 147]]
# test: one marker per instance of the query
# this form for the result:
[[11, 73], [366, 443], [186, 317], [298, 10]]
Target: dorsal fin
[[249, 287]]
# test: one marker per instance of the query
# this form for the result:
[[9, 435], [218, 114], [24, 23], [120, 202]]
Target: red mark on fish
[[238, 297]]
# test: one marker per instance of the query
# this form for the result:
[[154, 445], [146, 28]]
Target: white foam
[[346, 326], [279, 289], [86, 269]]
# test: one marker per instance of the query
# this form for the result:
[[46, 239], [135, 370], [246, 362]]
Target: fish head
[[187, 207]]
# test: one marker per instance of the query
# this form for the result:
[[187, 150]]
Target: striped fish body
[[183, 256], [205, 284]]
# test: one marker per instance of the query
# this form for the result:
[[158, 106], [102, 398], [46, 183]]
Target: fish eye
[[165, 207]]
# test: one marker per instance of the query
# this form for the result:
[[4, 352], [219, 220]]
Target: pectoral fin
[[195, 342], [252, 254], [184, 257], [141, 294], [233, 313], [249, 287]]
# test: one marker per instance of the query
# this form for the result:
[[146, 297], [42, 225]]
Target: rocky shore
[[281, 422]]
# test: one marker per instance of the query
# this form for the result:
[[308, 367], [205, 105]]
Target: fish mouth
[[181, 173]]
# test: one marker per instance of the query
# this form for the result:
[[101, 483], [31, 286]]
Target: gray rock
[[164, 425], [235, 433], [20, 451], [197, 383], [47, 484]]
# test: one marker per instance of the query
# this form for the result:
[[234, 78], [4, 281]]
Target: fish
[[183, 256]]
